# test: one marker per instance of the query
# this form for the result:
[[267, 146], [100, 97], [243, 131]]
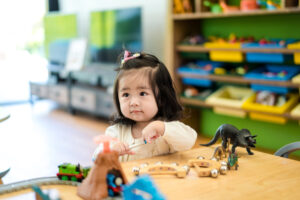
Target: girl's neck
[[137, 129]]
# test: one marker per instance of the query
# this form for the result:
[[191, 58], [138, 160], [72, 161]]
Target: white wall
[[154, 19]]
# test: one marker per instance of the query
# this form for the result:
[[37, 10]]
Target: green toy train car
[[67, 171]]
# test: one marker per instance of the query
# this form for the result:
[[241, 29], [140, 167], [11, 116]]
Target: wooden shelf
[[202, 49], [200, 103], [239, 79], [202, 15]]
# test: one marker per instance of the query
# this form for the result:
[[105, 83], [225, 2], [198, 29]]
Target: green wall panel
[[282, 26], [59, 26], [270, 136]]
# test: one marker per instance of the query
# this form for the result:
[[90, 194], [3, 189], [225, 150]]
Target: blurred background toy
[[226, 8], [214, 7], [248, 5]]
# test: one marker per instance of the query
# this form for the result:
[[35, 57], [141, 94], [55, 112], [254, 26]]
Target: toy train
[[67, 171]]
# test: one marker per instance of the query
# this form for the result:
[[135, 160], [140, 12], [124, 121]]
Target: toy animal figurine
[[241, 138], [232, 161], [219, 153]]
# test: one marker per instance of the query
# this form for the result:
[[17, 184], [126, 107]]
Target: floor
[[37, 138]]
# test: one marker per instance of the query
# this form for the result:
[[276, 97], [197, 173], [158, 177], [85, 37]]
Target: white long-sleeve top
[[177, 137]]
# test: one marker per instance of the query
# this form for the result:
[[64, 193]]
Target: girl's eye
[[143, 93], [125, 95]]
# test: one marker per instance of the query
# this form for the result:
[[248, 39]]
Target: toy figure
[[114, 182], [233, 161], [141, 189], [219, 153], [241, 138]]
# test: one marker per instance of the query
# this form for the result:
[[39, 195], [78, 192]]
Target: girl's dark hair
[[169, 108]]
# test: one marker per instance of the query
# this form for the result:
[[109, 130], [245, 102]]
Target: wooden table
[[261, 176]]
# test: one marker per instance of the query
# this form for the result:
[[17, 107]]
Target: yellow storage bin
[[296, 55], [225, 56], [296, 79], [227, 98], [252, 105]]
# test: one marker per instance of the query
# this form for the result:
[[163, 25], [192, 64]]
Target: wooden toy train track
[[13, 187]]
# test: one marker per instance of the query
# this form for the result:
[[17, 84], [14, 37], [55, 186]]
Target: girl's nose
[[134, 101]]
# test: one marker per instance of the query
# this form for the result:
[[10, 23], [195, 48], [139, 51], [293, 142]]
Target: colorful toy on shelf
[[142, 188], [265, 98], [269, 4], [190, 92], [214, 7], [161, 169], [67, 171], [193, 39], [226, 8], [205, 167], [247, 5], [241, 138], [182, 6]]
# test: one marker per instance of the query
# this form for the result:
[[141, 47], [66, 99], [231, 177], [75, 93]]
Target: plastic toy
[[241, 138], [226, 8], [114, 182], [208, 167], [232, 161], [161, 169], [67, 171], [141, 189], [214, 7], [248, 5], [219, 153], [3, 173], [45, 195], [270, 5]]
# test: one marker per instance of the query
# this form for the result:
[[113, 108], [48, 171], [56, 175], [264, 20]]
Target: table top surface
[[259, 176]]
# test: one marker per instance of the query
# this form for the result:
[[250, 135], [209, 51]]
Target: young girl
[[146, 123]]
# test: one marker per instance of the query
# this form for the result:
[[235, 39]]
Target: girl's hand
[[153, 131], [121, 148]]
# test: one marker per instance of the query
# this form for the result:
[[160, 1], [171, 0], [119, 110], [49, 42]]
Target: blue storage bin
[[266, 57], [260, 73], [198, 68]]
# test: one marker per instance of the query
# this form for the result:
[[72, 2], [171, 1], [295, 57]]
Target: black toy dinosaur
[[241, 138]]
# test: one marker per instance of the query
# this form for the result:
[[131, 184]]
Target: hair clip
[[128, 57]]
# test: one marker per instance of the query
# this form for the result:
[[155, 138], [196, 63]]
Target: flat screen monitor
[[113, 30]]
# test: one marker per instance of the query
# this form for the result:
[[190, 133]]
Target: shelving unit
[[75, 94], [256, 22]]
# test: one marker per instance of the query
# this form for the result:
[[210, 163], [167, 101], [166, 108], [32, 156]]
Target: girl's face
[[137, 100]]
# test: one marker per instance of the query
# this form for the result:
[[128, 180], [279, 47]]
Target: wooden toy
[[205, 167], [161, 169], [241, 138]]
